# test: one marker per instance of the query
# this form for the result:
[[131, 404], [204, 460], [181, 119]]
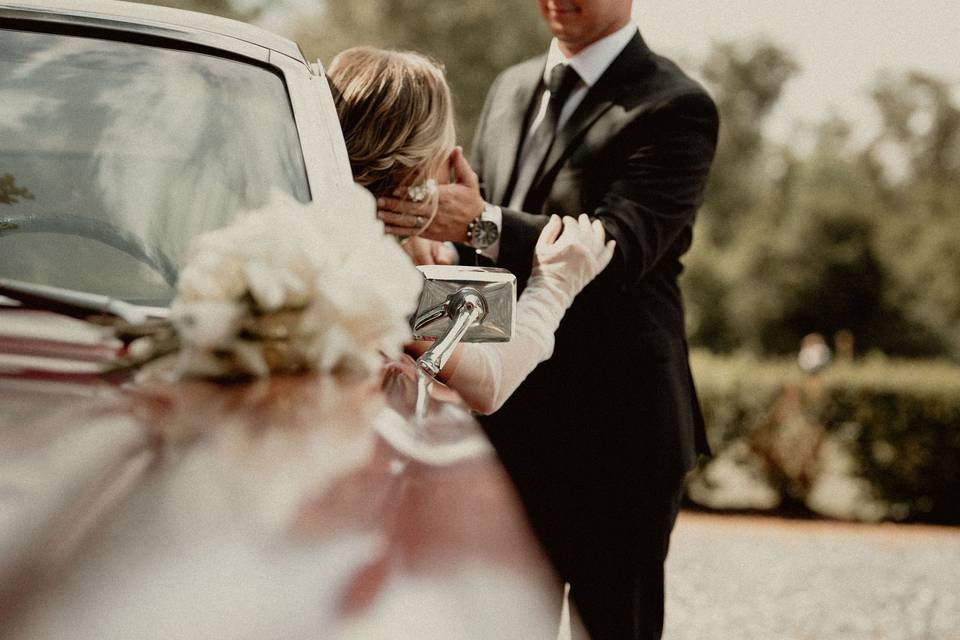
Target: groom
[[598, 439]]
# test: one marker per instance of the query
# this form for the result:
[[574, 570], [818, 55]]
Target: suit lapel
[[508, 122], [620, 76]]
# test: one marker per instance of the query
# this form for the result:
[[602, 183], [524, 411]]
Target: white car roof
[[132, 13]]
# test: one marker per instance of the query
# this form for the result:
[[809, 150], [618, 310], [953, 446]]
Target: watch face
[[484, 234]]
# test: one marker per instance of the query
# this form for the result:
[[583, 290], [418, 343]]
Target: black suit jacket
[[613, 413]]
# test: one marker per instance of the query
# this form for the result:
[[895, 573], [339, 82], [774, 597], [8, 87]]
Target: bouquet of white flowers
[[295, 287]]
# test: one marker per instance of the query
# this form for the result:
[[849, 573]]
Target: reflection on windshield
[[113, 155], [11, 192]]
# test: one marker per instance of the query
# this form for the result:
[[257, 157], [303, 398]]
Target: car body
[[141, 507]]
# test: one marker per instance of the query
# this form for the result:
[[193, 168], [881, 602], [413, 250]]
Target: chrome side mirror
[[463, 304]]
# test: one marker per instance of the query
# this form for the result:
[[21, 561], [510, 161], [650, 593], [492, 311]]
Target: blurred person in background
[[814, 355], [598, 439], [396, 114]]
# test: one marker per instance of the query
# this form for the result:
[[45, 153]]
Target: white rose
[[207, 324], [355, 285]]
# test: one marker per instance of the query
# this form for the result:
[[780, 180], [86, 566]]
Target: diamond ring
[[418, 221], [420, 192]]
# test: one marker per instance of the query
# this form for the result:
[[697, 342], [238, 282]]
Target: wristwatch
[[482, 231]]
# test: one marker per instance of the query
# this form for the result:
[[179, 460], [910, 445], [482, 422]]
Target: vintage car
[[290, 506]]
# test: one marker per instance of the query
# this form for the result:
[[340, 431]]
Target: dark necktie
[[563, 80]]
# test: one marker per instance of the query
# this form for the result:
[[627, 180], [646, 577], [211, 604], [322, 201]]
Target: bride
[[396, 113]]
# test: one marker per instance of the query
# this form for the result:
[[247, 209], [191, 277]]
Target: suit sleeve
[[656, 185], [466, 254]]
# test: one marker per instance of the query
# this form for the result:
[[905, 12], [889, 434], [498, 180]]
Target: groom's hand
[[458, 203]]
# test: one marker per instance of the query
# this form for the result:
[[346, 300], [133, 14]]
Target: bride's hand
[[423, 251], [570, 260]]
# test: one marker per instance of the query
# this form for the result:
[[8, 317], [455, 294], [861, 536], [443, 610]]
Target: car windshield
[[113, 155]]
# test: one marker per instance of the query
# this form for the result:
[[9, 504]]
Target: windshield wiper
[[77, 304]]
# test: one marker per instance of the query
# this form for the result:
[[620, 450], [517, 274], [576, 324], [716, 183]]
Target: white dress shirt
[[590, 63]]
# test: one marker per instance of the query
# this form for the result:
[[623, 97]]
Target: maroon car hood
[[301, 506]]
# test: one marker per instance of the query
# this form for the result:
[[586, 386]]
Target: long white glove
[[487, 374]]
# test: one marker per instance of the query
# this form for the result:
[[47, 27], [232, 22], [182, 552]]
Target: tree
[[814, 266], [748, 187], [473, 40], [746, 81], [916, 159], [830, 240]]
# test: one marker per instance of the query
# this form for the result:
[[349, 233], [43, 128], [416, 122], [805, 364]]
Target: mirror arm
[[467, 307], [430, 316]]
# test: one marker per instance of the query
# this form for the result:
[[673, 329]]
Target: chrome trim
[[431, 315], [223, 43], [210, 30], [321, 139], [497, 286], [41, 296], [466, 307]]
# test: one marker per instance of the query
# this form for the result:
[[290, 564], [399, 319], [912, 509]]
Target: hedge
[[868, 440]]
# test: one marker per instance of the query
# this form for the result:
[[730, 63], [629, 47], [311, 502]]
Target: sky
[[840, 45]]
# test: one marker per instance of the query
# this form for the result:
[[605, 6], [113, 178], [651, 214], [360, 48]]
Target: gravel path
[[745, 578]]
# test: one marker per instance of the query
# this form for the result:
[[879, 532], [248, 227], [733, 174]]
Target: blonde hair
[[396, 114]]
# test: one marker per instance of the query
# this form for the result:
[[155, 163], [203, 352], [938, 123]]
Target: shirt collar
[[591, 62]]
